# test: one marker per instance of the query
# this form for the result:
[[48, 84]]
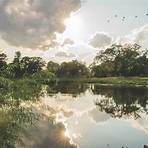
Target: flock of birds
[[123, 18], [116, 16]]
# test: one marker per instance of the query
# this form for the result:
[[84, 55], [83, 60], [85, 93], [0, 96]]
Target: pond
[[71, 115]]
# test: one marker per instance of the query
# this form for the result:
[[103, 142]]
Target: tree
[[3, 63], [121, 60], [31, 65], [16, 65], [53, 67], [23, 66], [13, 70], [17, 57], [103, 70], [73, 69]]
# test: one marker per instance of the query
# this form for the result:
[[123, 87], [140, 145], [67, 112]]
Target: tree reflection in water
[[18, 121], [24, 122], [70, 88], [12, 123], [122, 101]]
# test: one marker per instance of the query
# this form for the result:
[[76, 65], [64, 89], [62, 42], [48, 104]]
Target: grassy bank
[[111, 80]]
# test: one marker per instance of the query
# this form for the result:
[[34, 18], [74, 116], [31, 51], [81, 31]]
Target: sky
[[70, 29]]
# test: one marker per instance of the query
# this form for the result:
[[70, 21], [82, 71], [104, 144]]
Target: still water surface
[[70, 115]]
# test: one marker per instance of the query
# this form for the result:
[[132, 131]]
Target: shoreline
[[121, 81]]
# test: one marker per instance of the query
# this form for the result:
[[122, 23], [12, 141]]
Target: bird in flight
[[123, 18], [108, 21]]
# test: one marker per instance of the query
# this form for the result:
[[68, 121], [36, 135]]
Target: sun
[[75, 28]]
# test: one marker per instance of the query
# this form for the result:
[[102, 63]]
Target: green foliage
[[3, 63], [72, 69], [117, 60], [21, 66], [121, 60], [43, 75], [11, 127], [52, 67], [31, 65], [5, 83], [24, 89], [14, 117]]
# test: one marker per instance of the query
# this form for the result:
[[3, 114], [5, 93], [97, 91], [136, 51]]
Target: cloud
[[84, 52], [67, 41], [46, 133], [34, 23], [123, 40], [100, 40], [138, 35], [98, 116], [80, 52], [141, 36], [62, 54]]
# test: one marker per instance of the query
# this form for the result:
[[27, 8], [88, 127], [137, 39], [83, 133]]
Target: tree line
[[116, 60], [36, 67], [121, 60]]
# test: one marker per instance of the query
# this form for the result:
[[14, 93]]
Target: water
[[70, 115]]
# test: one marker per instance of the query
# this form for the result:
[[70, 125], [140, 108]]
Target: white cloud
[[141, 36], [63, 54], [87, 52], [34, 23], [100, 40], [67, 41], [80, 52], [123, 40], [138, 35], [48, 130], [98, 116]]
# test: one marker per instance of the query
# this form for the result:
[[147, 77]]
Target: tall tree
[[3, 62], [31, 65]]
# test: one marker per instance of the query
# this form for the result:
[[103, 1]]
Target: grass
[[111, 80]]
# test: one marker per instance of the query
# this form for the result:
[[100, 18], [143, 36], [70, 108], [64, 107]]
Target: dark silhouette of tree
[[16, 65], [3, 62]]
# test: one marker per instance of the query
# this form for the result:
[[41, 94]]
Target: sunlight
[[74, 27], [74, 19], [66, 21], [66, 134]]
